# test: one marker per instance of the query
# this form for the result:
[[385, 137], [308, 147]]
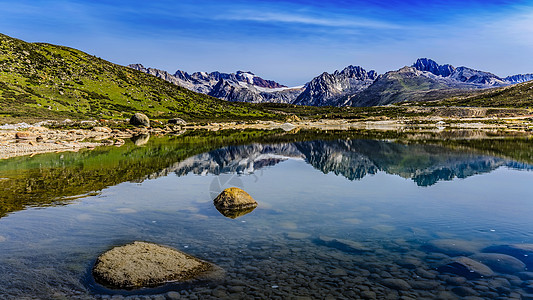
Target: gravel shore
[[24, 140]]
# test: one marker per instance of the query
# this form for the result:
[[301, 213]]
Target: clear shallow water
[[399, 202]]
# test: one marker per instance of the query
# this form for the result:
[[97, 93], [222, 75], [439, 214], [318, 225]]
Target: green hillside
[[516, 96], [403, 85], [40, 81]]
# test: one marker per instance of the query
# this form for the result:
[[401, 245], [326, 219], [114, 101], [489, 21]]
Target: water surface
[[339, 216]]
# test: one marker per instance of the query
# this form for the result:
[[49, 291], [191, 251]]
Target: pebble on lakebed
[[142, 264], [234, 202]]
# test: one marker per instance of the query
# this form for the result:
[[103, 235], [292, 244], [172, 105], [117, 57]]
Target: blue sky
[[287, 41]]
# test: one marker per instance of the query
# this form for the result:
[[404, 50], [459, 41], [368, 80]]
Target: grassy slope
[[47, 81], [515, 96], [402, 85]]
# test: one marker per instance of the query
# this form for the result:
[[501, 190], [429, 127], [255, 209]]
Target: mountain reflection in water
[[52, 179], [353, 159]]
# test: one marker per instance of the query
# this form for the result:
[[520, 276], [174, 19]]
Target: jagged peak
[[425, 61], [429, 65], [245, 72], [134, 66]]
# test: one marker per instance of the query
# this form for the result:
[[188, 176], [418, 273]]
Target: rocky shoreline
[[23, 139]]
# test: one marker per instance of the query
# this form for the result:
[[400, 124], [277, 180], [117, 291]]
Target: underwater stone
[[466, 267], [396, 283], [523, 252], [500, 262], [454, 247], [342, 244]]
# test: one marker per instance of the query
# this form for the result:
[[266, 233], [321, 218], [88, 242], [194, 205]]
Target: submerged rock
[[294, 235], [523, 252], [139, 119], [454, 247], [397, 284], [467, 267], [145, 264], [234, 202], [342, 244], [500, 262]]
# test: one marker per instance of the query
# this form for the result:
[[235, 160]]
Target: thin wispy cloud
[[332, 21]]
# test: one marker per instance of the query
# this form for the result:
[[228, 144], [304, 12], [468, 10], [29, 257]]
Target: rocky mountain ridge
[[327, 89], [352, 86], [236, 87]]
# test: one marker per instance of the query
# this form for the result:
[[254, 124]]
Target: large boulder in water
[[498, 262], [139, 119], [467, 267], [145, 264], [523, 252], [234, 202]]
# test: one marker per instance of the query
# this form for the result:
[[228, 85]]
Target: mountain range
[[353, 86], [236, 87]]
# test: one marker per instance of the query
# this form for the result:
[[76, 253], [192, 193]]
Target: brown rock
[[38, 129], [293, 118], [24, 135], [146, 264], [234, 198], [102, 129], [234, 202]]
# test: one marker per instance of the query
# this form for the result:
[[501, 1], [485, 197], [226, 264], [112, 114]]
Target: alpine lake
[[341, 215]]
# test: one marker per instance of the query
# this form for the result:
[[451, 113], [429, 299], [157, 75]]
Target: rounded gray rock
[[454, 247], [139, 119], [500, 262], [467, 267], [145, 264], [397, 284]]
